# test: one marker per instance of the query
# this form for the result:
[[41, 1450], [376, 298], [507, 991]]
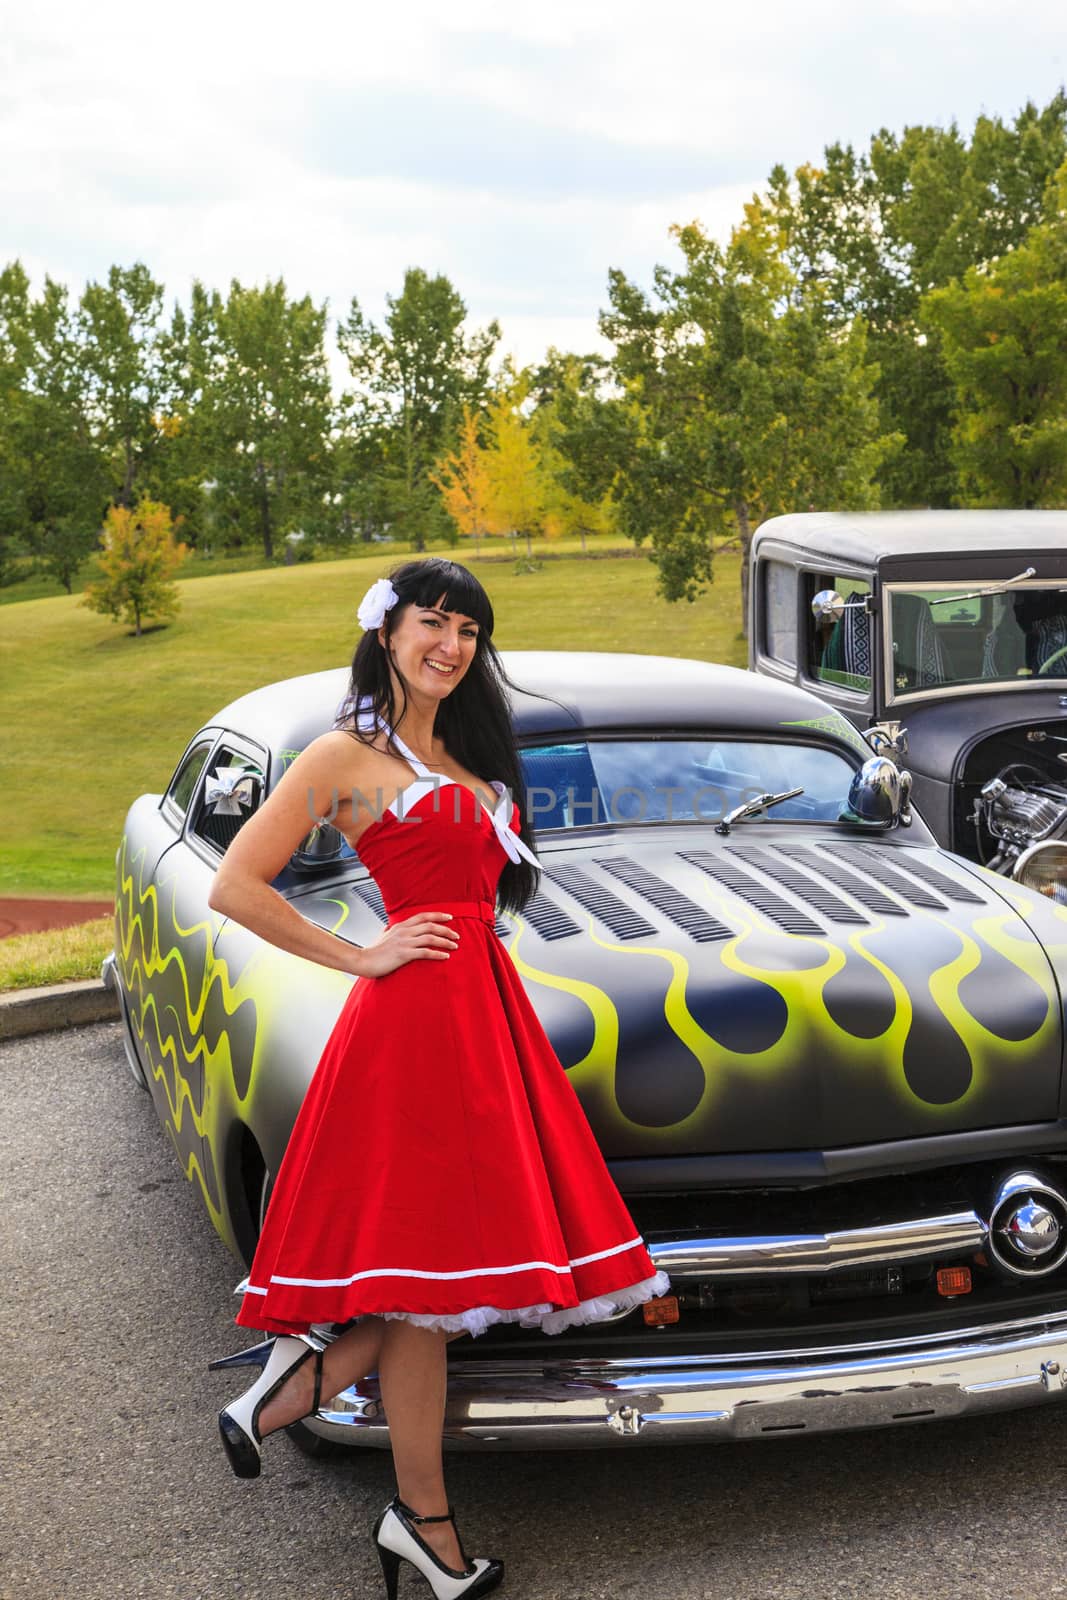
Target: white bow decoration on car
[[228, 789]]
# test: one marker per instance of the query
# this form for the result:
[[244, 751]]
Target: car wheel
[[306, 1440]]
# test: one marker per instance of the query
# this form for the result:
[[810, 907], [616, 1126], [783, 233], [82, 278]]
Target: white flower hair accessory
[[379, 598]]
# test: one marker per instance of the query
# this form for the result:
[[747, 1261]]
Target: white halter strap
[[420, 768], [367, 720], [515, 849]]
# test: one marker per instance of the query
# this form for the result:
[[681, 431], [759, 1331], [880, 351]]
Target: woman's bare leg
[[349, 1358], [412, 1374]]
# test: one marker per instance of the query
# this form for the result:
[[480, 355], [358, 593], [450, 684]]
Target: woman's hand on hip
[[426, 936]]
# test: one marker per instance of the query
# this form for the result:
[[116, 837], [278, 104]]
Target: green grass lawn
[[35, 585], [93, 717], [62, 955]]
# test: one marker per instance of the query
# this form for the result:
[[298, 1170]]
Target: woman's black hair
[[475, 719]]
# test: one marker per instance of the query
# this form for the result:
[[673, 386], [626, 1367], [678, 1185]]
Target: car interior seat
[[848, 649], [1048, 636], [1004, 650], [919, 650]]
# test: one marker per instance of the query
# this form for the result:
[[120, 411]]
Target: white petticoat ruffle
[[550, 1319]]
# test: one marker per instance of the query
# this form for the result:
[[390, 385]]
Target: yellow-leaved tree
[[137, 563], [463, 479], [516, 474]]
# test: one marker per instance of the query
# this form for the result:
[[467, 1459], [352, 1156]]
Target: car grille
[[742, 1305]]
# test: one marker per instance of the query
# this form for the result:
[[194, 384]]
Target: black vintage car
[[942, 635], [822, 1056]]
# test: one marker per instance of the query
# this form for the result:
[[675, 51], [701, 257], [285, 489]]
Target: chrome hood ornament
[[880, 793]]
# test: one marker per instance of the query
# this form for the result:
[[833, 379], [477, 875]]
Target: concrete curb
[[61, 1005]]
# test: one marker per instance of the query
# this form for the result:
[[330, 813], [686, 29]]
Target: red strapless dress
[[441, 1167]]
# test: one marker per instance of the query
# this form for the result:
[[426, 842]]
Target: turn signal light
[[659, 1312], [953, 1280]]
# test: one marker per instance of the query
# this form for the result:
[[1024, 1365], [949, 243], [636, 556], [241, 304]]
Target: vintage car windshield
[[946, 636], [576, 783]]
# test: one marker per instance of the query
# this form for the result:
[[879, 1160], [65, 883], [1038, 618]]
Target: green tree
[[739, 402], [577, 492], [183, 463], [413, 377], [876, 231], [257, 372], [1002, 329], [592, 428], [563, 372], [119, 339], [53, 478], [137, 563], [15, 361], [360, 488]]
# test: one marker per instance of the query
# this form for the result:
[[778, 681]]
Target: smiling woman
[[428, 666], [488, 1200]]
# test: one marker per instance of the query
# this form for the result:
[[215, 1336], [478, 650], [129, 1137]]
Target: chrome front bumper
[[575, 1404]]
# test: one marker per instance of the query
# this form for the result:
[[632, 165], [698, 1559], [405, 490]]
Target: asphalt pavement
[[116, 1291]]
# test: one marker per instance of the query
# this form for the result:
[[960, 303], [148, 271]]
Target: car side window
[[780, 611], [184, 780], [839, 650], [233, 790]]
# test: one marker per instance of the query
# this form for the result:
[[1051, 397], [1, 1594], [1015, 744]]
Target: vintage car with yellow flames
[[823, 1056]]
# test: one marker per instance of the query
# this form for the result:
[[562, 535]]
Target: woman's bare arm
[[320, 780]]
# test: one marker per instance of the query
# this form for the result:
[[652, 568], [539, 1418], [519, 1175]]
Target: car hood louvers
[[865, 856], [775, 992], [779, 995], [748, 888], [682, 911], [606, 906], [801, 884]]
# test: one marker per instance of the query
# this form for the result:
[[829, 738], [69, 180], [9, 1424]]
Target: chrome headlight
[[1044, 867]]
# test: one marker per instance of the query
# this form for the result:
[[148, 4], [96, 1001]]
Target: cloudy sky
[[522, 151]]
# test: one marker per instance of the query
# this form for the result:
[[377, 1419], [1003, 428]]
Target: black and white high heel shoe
[[239, 1421], [396, 1539]]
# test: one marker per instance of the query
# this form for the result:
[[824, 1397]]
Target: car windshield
[[579, 783], [945, 636]]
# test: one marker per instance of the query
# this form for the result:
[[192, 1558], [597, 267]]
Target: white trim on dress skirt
[[549, 1319], [466, 1272]]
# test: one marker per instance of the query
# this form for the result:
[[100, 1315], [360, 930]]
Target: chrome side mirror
[[828, 606], [324, 846], [880, 794]]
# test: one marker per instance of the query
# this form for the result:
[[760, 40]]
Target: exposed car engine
[[1017, 808]]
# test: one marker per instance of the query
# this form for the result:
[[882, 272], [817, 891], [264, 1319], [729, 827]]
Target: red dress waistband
[[480, 910]]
